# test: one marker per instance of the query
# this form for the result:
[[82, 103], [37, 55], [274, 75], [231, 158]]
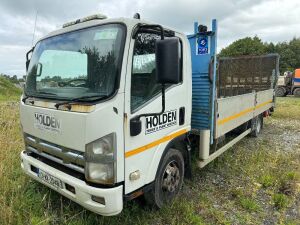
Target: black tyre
[[257, 125], [296, 92], [280, 92], [168, 181]]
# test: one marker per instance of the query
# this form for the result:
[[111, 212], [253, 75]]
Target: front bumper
[[83, 192]]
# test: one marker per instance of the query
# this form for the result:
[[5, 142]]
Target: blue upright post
[[213, 97], [203, 50]]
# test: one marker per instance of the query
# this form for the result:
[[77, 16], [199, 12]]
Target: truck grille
[[64, 156]]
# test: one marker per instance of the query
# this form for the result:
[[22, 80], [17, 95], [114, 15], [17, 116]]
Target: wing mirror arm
[[27, 57]]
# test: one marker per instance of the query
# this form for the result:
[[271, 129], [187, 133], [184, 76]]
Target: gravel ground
[[285, 134], [230, 179]]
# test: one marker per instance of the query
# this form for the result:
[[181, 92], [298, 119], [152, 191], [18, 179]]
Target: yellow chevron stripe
[[154, 143]]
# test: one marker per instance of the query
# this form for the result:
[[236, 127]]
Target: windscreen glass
[[78, 64]]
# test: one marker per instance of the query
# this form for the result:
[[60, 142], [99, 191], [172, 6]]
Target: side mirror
[[168, 61]]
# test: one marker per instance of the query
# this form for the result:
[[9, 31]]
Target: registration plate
[[50, 179]]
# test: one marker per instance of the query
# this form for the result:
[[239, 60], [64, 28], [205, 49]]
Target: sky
[[271, 20]]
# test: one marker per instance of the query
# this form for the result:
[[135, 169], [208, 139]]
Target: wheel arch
[[180, 143]]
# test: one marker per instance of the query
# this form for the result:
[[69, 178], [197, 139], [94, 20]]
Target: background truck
[[117, 108], [288, 84]]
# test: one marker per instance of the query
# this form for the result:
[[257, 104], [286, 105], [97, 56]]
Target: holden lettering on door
[[165, 120]]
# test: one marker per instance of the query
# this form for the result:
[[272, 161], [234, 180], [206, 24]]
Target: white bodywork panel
[[78, 129], [234, 111]]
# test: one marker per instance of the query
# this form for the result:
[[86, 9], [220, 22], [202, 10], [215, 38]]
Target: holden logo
[[46, 122]]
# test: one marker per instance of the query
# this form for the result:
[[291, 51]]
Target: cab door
[[143, 95]]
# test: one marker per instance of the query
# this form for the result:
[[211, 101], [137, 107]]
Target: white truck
[[113, 108]]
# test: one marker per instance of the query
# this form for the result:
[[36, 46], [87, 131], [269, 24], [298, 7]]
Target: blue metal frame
[[204, 87]]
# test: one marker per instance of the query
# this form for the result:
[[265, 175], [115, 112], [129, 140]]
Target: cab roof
[[129, 22]]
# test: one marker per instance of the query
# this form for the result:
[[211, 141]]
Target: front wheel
[[168, 181]]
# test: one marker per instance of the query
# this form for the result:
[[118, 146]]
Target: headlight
[[100, 157]]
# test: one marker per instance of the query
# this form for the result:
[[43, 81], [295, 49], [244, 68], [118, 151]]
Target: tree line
[[289, 51], [14, 79]]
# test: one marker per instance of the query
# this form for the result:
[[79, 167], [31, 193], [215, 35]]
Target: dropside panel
[[264, 101], [233, 111]]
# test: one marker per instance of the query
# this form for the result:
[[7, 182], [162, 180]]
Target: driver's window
[[143, 77]]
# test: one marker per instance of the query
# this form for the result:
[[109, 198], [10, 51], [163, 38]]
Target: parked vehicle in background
[[113, 108], [289, 84]]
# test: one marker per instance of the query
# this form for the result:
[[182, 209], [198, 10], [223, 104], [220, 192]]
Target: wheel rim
[[171, 178]]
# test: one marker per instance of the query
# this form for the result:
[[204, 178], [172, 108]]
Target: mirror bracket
[[27, 57]]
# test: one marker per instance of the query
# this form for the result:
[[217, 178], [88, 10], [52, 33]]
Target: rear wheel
[[257, 125], [168, 181], [296, 92], [280, 92]]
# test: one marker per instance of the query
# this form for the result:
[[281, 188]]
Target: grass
[[267, 180], [280, 200], [254, 182], [249, 204], [8, 91], [288, 108]]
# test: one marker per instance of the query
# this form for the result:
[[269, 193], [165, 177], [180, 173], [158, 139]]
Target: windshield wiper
[[78, 100], [40, 92], [25, 98], [45, 93]]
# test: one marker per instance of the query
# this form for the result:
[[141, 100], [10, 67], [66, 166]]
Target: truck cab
[[288, 84], [101, 105]]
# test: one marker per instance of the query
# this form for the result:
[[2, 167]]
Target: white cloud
[[271, 20]]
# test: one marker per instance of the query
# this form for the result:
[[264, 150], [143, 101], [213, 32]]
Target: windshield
[[78, 64]]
